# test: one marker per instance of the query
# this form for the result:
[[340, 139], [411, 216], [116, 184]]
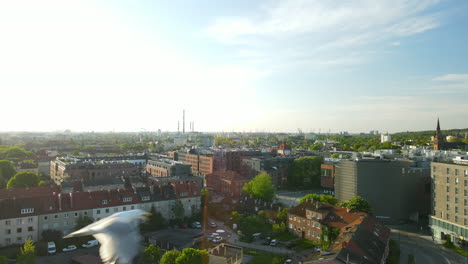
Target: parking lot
[[63, 258]]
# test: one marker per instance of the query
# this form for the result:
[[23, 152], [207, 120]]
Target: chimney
[[71, 200], [183, 121], [59, 201]]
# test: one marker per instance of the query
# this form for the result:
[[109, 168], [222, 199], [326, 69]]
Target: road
[[424, 251]]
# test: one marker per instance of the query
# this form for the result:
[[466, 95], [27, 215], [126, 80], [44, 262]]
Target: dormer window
[[145, 198], [27, 211], [103, 201], [183, 193], [127, 199]]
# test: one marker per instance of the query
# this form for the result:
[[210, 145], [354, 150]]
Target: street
[[423, 249]]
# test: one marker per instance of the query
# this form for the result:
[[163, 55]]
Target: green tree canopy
[[155, 221], [170, 257], [16, 153], [23, 179], [324, 198], [27, 253], [260, 187], [282, 215], [359, 204], [3, 260], [151, 255], [305, 172], [192, 256], [7, 170]]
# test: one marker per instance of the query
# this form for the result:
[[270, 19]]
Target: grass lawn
[[305, 244], [284, 236]]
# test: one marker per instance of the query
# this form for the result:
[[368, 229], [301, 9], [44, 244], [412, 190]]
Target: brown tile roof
[[28, 192], [335, 216]]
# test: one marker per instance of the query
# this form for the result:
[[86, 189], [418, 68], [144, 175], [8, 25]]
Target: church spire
[[438, 126]]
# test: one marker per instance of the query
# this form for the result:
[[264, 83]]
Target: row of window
[[456, 170], [19, 230], [66, 215], [19, 240], [18, 221], [456, 218], [465, 182], [116, 209]]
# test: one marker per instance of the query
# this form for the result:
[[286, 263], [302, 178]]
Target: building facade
[[167, 168], [228, 183], [450, 202], [394, 188]]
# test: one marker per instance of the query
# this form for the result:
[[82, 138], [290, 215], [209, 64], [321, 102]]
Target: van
[[90, 244], [51, 249]]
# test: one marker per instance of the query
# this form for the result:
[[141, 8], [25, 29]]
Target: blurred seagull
[[118, 235]]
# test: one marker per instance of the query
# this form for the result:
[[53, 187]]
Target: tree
[[3, 260], [282, 215], [305, 172], [323, 198], [7, 170], [335, 155], [82, 221], [27, 253], [16, 153], [178, 210], [260, 187], [359, 204], [192, 256], [170, 257], [155, 221], [151, 255], [23, 179], [52, 235]]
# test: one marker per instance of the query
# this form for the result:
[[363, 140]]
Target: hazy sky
[[239, 65]]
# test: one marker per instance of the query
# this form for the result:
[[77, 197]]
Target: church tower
[[438, 138]]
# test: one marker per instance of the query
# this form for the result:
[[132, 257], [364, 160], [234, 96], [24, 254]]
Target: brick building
[[228, 183], [201, 164], [309, 219], [167, 168]]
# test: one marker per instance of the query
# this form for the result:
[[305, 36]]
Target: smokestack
[[193, 126], [178, 126], [183, 121]]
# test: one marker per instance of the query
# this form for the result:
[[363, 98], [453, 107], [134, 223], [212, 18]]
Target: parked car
[[290, 245], [69, 248], [51, 249], [196, 225], [274, 243], [267, 241], [288, 261], [213, 224], [90, 244], [217, 239]]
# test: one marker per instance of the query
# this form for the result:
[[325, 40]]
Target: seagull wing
[[120, 243]]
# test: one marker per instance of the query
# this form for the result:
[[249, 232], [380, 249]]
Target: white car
[[288, 261], [213, 224], [217, 239], [51, 249], [69, 248], [90, 244], [196, 225]]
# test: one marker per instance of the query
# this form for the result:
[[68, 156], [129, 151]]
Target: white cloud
[[396, 43], [452, 77], [319, 28]]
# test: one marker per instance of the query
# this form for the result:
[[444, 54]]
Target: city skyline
[[391, 66]]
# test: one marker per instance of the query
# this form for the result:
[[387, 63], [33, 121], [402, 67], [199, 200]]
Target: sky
[[253, 66]]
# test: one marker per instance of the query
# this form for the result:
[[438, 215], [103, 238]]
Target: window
[[456, 181], [448, 188], [448, 170], [19, 221], [132, 207], [456, 218], [129, 199], [104, 202], [30, 220], [30, 228], [8, 231], [465, 221], [76, 214], [98, 211], [447, 206], [456, 209], [8, 240], [85, 213], [65, 215], [456, 199], [290, 225], [19, 230], [116, 209], [456, 172], [19, 239], [465, 202], [466, 173], [465, 212], [27, 211], [447, 216], [448, 198], [145, 198], [456, 190], [466, 183], [45, 226], [107, 210], [124, 208], [55, 216], [465, 192], [448, 180], [7, 222]]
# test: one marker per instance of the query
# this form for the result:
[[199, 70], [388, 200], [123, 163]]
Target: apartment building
[[19, 213], [202, 164], [309, 219], [228, 183], [450, 202], [26, 213], [167, 168]]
